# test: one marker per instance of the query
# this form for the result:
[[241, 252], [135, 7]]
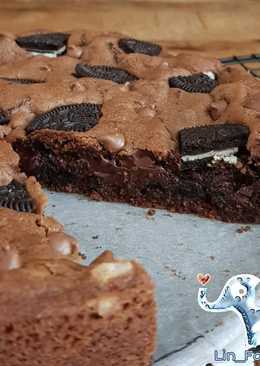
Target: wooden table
[[219, 27]]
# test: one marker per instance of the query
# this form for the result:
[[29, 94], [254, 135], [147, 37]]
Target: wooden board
[[218, 27]]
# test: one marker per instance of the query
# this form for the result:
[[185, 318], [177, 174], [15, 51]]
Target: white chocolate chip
[[210, 74], [9, 258], [63, 243], [108, 306], [15, 261], [106, 272], [105, 306]]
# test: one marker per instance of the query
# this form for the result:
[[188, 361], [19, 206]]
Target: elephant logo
[[239, 296]]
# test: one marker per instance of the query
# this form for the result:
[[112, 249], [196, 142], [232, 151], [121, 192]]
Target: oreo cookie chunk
[[73, 117], [131, 45], [105, 72], [16, 197], [196, 83], [3, 118], [218, 141], [21, 81], [46, 44]]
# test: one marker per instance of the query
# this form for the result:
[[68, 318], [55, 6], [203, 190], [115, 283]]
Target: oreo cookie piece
[[131, 45], [16, 197], [3, 118], [105, 72], [207, 141], [73, 117], [48, 44], [196, 83], [22, 81]]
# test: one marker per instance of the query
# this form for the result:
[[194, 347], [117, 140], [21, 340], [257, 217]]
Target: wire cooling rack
[[250, 63]]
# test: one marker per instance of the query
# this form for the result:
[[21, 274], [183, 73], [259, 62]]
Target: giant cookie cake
[[119, 119]]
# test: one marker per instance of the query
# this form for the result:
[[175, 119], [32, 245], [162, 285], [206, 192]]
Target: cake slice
[[55, 311], [16, 190]]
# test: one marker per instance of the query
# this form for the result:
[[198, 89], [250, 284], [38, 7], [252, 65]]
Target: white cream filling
[[49, 54], [229, 159], [210, 74], [226, 155]]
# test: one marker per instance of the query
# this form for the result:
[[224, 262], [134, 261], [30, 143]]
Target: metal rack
[[250, 63]]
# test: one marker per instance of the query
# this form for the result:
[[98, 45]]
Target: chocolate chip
[[73, 117], [196, 83], [44, 42], [3, 118], [131, 45], [105, 72], [16, 197], [113, 142], [216, 109], [21, 81], [198, 140]]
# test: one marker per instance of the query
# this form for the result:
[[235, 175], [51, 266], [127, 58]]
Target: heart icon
[[203, 279]]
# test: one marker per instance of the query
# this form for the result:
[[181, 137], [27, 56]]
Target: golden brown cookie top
[[164, 93]]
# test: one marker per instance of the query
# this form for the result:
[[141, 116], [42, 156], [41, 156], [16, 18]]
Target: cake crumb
[[243, 229], [150, 212], [167, 215], [83, 256], [174, 273], [95, 237], [226, 271]]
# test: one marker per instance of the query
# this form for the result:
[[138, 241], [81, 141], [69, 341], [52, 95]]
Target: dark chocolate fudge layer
[[121, 120], [57, 312]]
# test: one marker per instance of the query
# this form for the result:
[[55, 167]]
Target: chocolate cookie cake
[[120, 119], [55, 311]]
